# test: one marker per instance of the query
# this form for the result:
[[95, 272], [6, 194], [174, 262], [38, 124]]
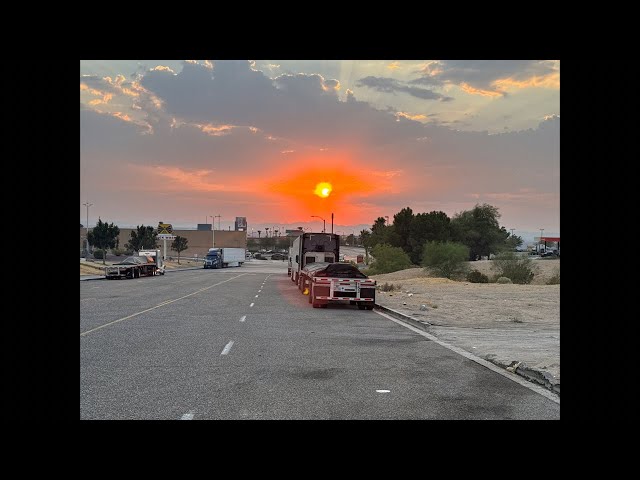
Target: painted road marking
[[259, 291], [383, 391], [188, 416], [244, 317], [251, 305], [227, 347], [158, 306], [257, 296], [511, 376]]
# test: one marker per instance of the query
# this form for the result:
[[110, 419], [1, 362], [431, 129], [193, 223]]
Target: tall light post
[[324, 224], [87, 204], [541, 230], [213, 230]]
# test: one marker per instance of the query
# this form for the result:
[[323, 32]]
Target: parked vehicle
[[337, 283], [310, 248], [224, 257], [146, 263]]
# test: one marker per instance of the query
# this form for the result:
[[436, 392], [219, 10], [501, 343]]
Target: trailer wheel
[[311, 296], [361, 307], [369, 307]]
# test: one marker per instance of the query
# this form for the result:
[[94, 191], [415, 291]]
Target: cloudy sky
[[176, 141]]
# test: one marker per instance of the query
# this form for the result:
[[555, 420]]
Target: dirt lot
[[506, 321]]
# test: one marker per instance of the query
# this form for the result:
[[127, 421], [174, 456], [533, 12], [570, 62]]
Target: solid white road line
[[383, 391], [252, 305], [244, 317], [511, 376], [227, 347], [160, 305], [188, 416]]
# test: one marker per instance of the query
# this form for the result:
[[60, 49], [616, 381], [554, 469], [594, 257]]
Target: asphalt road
[[244, 343]]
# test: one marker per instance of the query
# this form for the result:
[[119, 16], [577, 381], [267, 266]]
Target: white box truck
[[224, 257]]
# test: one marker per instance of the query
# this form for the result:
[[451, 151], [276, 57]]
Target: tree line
[[477, 229], [105, 235]]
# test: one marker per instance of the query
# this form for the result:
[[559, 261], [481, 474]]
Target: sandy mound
[[543, 269]]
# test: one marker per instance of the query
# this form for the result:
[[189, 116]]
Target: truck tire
[[361, 307]]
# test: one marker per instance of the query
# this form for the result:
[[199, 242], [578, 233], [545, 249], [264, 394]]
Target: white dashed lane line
[[227, 347], [244, 317], [188, 416], [252, 304]]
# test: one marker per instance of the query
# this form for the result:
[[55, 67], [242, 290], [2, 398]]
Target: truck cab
[[213, 258]]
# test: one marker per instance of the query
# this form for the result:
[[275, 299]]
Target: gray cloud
[[390, 85], [482, 73]]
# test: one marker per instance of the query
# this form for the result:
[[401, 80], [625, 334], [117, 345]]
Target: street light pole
[[87, 204], [213, 230], [541, 230], [323, 222]]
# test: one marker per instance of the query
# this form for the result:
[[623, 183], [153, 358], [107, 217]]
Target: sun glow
[[323, 189]]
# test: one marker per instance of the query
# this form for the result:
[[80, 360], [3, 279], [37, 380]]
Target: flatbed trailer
[[337, 283]]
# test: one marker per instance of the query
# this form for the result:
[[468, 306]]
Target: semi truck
[[147, 263], [309, 248], [224, 257]]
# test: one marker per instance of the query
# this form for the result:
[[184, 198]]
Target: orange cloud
[[478, 91], [552, 80], [179, 179], [162, 68], [418, 116], [393, 66], [215, 130]]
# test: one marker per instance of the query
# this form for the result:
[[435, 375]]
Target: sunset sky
[[177, 141]]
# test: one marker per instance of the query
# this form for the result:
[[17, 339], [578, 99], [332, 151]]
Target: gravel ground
[[504, 322]]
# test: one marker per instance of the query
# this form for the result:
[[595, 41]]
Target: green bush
[[555, 278], [99, 254], [389, 287], [477, 277], [446, 259], [503, 280], [388, 259], [520, 269]]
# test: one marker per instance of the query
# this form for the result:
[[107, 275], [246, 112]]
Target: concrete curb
[[534, 375], [84, 278]]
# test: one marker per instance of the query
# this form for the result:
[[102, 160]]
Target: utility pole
[[87, 204], [539, 248], [213, 230]]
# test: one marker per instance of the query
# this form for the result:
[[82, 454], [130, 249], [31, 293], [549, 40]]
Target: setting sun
[[323, 189]]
